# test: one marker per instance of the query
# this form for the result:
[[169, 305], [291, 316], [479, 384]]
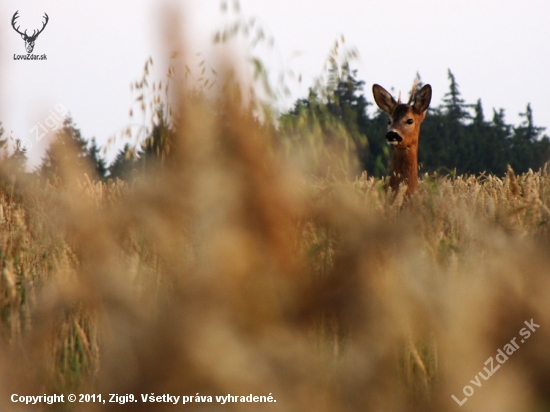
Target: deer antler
[[15, 16], [29, 40], [43, 27], [34, 33], [413, 91]]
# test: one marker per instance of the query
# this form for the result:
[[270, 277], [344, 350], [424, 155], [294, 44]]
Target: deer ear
[[423, 99], [383, 99], [23, 36]]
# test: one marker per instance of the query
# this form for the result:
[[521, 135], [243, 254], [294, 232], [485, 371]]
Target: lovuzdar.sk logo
[[29, 39]]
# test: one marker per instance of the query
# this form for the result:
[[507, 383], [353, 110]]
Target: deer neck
[[405, 168]]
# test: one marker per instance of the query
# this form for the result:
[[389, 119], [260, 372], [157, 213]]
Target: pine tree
[[68, 147], [99, 164], [124, 164], [527, 130], [479, 117], [453, 102], [526, 145], [347, 103], [488, 149], [155, 150], [455, 135], [339, 114], [500, 126]]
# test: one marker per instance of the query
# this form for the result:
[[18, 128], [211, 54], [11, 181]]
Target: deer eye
[[389, 121], [410, 121]]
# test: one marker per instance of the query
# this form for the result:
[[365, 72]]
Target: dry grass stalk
[[233, 271]]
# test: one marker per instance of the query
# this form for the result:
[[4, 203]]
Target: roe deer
[[403, 130]]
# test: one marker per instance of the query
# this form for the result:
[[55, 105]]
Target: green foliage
[[314, 134], [156, 133], [453, 103], [455, 135], [123, 165], [98, 162], [333, 123], [339, 112], [233, 273], [71, 149], [156, 147]]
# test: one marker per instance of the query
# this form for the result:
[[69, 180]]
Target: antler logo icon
[[29, 40]]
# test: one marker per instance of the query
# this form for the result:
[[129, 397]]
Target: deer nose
[[393, 137]]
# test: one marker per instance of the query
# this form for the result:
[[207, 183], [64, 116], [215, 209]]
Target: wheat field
[[253, 263]]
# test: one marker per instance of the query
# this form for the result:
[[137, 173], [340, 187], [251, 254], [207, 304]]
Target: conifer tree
[[68, 147], [98, 162], [455, 135], [453, 101], [124, 164]]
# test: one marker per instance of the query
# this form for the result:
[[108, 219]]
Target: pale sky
[[498, 50]]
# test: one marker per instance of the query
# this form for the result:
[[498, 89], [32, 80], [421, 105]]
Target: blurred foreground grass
[[249, 264]]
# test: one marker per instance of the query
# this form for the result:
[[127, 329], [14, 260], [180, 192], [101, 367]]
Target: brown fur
[[403, 134]]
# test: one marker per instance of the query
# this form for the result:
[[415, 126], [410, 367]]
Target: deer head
[[403, 131], [29, 40]]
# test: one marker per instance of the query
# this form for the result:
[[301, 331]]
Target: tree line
[[456, 137]]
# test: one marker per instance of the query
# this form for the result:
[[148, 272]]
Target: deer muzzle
[[393, 138]]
